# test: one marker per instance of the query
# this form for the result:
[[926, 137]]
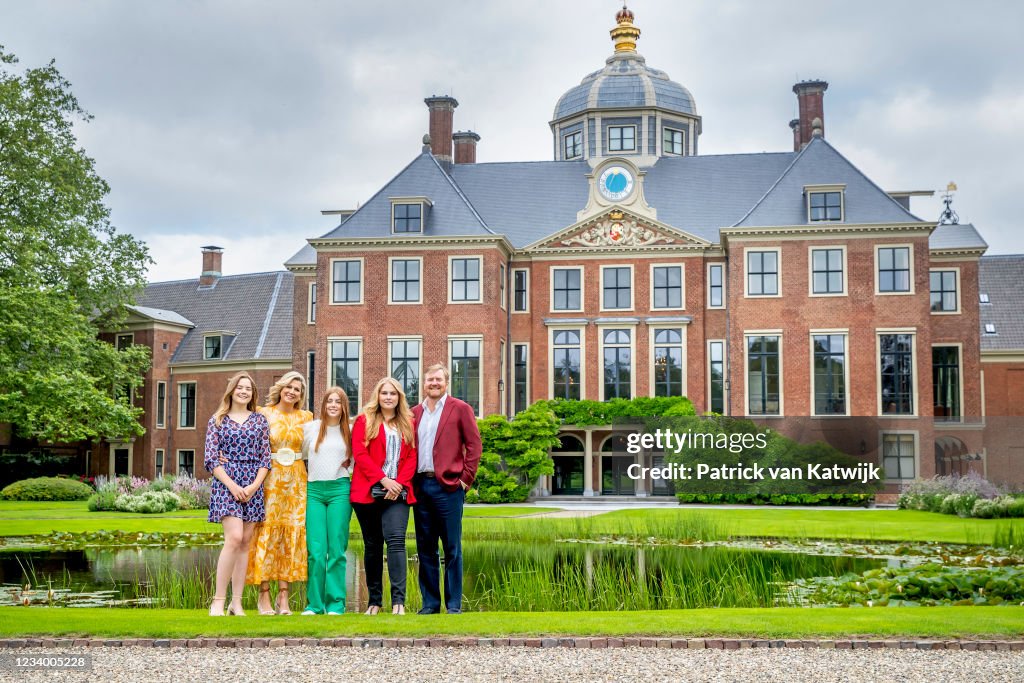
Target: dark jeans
[[438, 515], [383, 522]]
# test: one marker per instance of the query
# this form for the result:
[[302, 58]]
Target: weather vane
[[949, 216]]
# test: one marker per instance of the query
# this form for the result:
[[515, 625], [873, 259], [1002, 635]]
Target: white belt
[[286, 456]]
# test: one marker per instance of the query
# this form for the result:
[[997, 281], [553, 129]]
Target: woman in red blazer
[[384, 450]]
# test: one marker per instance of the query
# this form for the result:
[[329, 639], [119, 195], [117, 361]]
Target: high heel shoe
[[265, 612], [236, 611], [282, 596], [213, 612]]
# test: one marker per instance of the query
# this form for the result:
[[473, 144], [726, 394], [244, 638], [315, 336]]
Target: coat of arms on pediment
[[616, 230]]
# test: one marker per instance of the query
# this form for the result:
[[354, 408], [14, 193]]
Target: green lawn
[[930, 622]]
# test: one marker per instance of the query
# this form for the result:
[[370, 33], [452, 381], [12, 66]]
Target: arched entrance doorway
[[568, 458]]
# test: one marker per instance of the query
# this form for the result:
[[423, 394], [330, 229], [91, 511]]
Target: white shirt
[[426, 432], [325, 463]]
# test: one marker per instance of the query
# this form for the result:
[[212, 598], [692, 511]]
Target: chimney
[[795, 126], [442, 113], [211, 266], [465, 146], [810, 96]]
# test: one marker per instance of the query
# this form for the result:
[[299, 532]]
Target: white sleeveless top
[[324, 464]]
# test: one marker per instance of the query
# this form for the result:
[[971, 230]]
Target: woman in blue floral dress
[[238, 456]]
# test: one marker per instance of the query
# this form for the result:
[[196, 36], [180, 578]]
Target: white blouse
[[324, 464]]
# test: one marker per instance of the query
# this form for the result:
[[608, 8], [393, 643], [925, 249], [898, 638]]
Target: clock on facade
[[615, 183]]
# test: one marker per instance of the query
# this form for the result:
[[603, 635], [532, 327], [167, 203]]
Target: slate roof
[[959, 236], [256, 308], [161, 315], [1002, 278]]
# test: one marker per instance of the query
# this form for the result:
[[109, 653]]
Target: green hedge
[[47, 488]]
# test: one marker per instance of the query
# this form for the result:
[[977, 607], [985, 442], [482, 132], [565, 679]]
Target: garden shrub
[[164, 483], [1004, 506], [46, 488], [968, 495], [103, 501], [515, 454], [193, 493], [147, 502]]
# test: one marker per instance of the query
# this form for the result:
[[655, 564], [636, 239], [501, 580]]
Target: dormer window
[[572, 145], [990, 328], [983, 298], [621, 138], [825, 203], [673, 142], [212, 346], [408, 214]]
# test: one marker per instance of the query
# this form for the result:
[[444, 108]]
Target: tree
[[65, 272], [515, 454]]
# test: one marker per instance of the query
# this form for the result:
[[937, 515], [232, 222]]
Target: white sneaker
[[308, 613], [334, 614]]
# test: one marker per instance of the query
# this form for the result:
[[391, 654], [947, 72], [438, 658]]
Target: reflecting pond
[[498, 576]]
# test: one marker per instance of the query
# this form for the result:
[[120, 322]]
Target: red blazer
[[457, 445], [369, 464]]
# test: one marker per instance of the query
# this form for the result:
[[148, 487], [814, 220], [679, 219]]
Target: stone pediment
[[619, 229]]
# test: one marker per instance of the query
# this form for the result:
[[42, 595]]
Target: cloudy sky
[[234, 123]]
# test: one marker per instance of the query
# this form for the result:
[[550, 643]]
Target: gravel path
[[300, 664]]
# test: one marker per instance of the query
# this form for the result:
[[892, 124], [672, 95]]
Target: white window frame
[[912, 331], [810, 270], [117, 339], [527, 281], [551, 290], [956, 273], [845, 332], [177, 460], [746, 372], [311, 293], [601, 329], [156, 405], [652, 333], [483, 355], [220, 356], [451, 281], [409, 201], [608, 137], [161, 454], [877, 264], [419, 360], [582, 330], [960, 365], [682, 286], [725, 285], [195, 417], [917, 453], [391, 281], [725, 375], [503, 285], [632, 287], [778, 275], [565, 137], [512, 375], [362, 281], [823, 189], [329, 380], [682, 135]]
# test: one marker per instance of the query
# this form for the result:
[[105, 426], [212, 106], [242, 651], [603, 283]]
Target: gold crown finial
[[625, 34]]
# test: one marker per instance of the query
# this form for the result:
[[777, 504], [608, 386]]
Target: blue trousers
[[438, 516]]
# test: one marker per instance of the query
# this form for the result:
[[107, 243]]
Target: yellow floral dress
[[278, 550]]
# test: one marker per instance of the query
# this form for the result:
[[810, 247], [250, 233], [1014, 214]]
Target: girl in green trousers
[[327, 448]]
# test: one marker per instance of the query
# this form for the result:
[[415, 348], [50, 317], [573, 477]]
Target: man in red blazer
[[448, 451]]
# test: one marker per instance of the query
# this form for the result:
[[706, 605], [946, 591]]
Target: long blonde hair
[[274, 396], [346, 431], [375, 414], [225, 401]]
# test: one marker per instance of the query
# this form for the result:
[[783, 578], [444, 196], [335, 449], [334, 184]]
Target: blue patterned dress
[[247, 448]]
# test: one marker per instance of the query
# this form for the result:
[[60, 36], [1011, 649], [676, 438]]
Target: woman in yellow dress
[[279, 545]]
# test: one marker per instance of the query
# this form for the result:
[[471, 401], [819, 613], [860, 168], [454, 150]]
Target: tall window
[[897, 375], [520, 302], [187, 463], [566, 289], [946, 381], [573, 145], [520, 378], [502, 283], [161, 404], [943, 291], [158, 461], [898, 456], [212, 347], [668, 362], [617, 287], [345, 370], [346, 282], [617, 355], [311, 373], [312, 303], [187, 404], [716, 373], [405, 367], [762, 273], [465, 279], [565, 364], [829, 374], [621, 138], [826, 206], [668, 286], [673, 143], [763, 380], [894, 269], [408, 218], [405, 280], [466, 371], [827, 271], [716, 285], [124, 341]]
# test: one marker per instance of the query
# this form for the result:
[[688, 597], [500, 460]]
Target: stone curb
[[546, 642]]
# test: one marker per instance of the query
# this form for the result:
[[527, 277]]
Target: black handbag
[[378, 492]]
